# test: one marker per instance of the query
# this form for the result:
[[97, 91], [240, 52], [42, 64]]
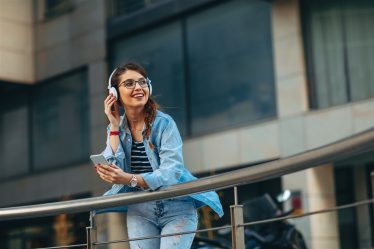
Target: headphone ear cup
[[149, 86], [113, 91]]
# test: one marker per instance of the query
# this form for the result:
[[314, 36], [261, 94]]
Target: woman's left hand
[[113, 174]]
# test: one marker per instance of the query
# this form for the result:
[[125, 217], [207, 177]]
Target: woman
[[144, 148]]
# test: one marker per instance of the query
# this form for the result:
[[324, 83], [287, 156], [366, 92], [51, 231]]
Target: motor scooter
[[274, 235], [200, 242]]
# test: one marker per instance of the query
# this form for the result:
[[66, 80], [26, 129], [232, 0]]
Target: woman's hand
[[112, 174], [113, 116]]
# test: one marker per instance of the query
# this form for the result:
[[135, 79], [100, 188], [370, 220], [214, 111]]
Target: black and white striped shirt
[[139, 160]]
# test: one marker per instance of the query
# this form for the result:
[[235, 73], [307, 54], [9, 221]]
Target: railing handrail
[[358, 143]]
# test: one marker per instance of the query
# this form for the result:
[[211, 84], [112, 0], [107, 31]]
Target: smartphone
[[96, 159]]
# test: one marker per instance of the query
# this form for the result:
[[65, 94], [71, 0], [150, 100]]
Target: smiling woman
[[144, 149]]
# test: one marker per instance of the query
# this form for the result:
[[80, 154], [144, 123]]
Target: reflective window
[[14, 136], [59, 231], [55, 8], [211, 69], [60, 121], [340, 50], [230, 65], [160, 52], [128, 7]]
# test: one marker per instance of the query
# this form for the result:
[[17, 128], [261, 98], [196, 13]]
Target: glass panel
[[14, 137], [123, 7], [160, 52], [55, 8], [328, 55], [232, 78], [60, 121], [359, 19], [342, 50], [128, 7], [344, 188], [60, 230]]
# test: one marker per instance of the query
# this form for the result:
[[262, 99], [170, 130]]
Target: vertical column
[[363, 212], [292, 95], [117, 230], [289, 63], [17, 46], [321, 195], [111, 227]]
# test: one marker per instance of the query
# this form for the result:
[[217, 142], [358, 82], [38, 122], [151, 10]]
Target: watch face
[[133, 183]]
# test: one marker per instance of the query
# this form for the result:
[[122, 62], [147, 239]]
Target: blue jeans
[[162, 217]]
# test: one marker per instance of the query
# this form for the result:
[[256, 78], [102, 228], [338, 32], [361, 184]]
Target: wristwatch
[[133, 181]]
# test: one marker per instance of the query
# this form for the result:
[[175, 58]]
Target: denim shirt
[[165, 157]]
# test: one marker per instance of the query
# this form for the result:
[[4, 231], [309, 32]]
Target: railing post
[[237, 232], [91, 232]]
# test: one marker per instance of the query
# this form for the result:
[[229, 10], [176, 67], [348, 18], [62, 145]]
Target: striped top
[[139, 160]]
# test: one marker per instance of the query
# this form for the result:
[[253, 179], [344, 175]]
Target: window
[[55, 8], [211, 69], [60, 121], [230, 65], [127, 7], [60, 230], [347, 218], [160, 52], [14, 130], [44, 126], [340, 50]]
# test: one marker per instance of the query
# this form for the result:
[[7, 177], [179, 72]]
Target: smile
[[138, 95]]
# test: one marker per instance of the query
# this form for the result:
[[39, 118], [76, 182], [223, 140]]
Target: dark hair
[[151, 107]]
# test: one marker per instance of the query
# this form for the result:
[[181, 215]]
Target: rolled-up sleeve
[[116, 158], [171, 159]]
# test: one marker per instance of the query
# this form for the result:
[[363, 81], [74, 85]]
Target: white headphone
[[113, 91]]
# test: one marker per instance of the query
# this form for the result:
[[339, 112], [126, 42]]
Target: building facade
[[247, 81]]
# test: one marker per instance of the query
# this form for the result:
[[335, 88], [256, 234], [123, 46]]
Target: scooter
[[206, 243], [273, 235]]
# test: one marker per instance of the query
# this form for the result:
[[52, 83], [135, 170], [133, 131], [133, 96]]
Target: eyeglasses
[[130, 83]]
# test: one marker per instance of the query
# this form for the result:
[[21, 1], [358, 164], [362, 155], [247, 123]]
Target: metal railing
[[356, 144]]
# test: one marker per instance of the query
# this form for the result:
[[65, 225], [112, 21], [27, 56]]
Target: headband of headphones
[[113, 91]]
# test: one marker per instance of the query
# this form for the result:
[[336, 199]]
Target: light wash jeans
[[162, 217]]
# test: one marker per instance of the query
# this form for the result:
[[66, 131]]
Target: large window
[[14, 130], [340, 50], [60, 230], [60, 121], [44, 126], [230, 65], [160, 52], [211, 69]]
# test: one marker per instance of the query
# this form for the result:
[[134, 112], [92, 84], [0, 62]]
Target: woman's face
[[135, 96]]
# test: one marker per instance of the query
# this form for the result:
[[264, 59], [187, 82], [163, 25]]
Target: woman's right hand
[[113, 116]]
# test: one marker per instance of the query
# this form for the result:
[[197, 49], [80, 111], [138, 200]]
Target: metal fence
[[354, 145]]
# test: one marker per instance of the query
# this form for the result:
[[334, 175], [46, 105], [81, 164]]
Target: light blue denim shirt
[[166, 159]]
